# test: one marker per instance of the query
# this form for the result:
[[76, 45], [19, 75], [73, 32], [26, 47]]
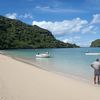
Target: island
[[15, 34], [95, 43]]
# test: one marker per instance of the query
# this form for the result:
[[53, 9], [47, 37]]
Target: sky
[[73, 21]]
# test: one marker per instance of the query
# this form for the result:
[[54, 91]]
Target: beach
[[21, 81]]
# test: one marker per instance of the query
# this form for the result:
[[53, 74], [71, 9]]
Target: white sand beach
[[20, 81]]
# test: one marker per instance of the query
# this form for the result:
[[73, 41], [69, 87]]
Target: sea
[[64, 61]]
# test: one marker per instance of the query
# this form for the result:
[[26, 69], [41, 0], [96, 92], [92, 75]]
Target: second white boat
[[92, 53]]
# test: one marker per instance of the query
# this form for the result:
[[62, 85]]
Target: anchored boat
[[92, 53], [43, 55]]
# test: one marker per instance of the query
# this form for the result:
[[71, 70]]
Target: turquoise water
[[71, 61]]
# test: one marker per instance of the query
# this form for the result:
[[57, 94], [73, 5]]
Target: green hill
[[96, 43], [16, 34]]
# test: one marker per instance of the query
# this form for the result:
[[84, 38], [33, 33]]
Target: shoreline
[[21, 81], [66, 75], [34, 64]]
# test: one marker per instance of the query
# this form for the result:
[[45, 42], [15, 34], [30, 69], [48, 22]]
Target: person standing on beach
[[96, 66]]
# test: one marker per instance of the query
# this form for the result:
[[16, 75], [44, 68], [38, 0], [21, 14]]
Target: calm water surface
[[71, 61]]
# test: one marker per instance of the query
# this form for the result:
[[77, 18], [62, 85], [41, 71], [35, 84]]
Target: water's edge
[[67, 75]]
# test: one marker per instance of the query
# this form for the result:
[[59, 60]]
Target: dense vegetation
[[96, 43], [16, 34]]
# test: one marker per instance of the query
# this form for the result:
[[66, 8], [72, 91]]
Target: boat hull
[[92, 54], [43, 56]]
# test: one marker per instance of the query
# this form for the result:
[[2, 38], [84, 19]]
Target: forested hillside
[[96, 43], [16, 34]]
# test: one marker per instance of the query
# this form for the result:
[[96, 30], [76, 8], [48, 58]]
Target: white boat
[[44, 55], [92, 53]]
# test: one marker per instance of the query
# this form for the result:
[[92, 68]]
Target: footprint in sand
[[2, 98]]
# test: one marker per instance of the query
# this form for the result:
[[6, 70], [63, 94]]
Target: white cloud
[[76, 25], [71, 39], [14, 16], [44, 7], [26, 15], [59, 10], [96, 19], [89, 29], [78, 41], [11, 15], [84, 43], [68, 40]]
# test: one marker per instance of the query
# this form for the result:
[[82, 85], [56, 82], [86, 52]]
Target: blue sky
[[74, 21]]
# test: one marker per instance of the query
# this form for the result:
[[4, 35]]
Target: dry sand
[[20, 81]]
